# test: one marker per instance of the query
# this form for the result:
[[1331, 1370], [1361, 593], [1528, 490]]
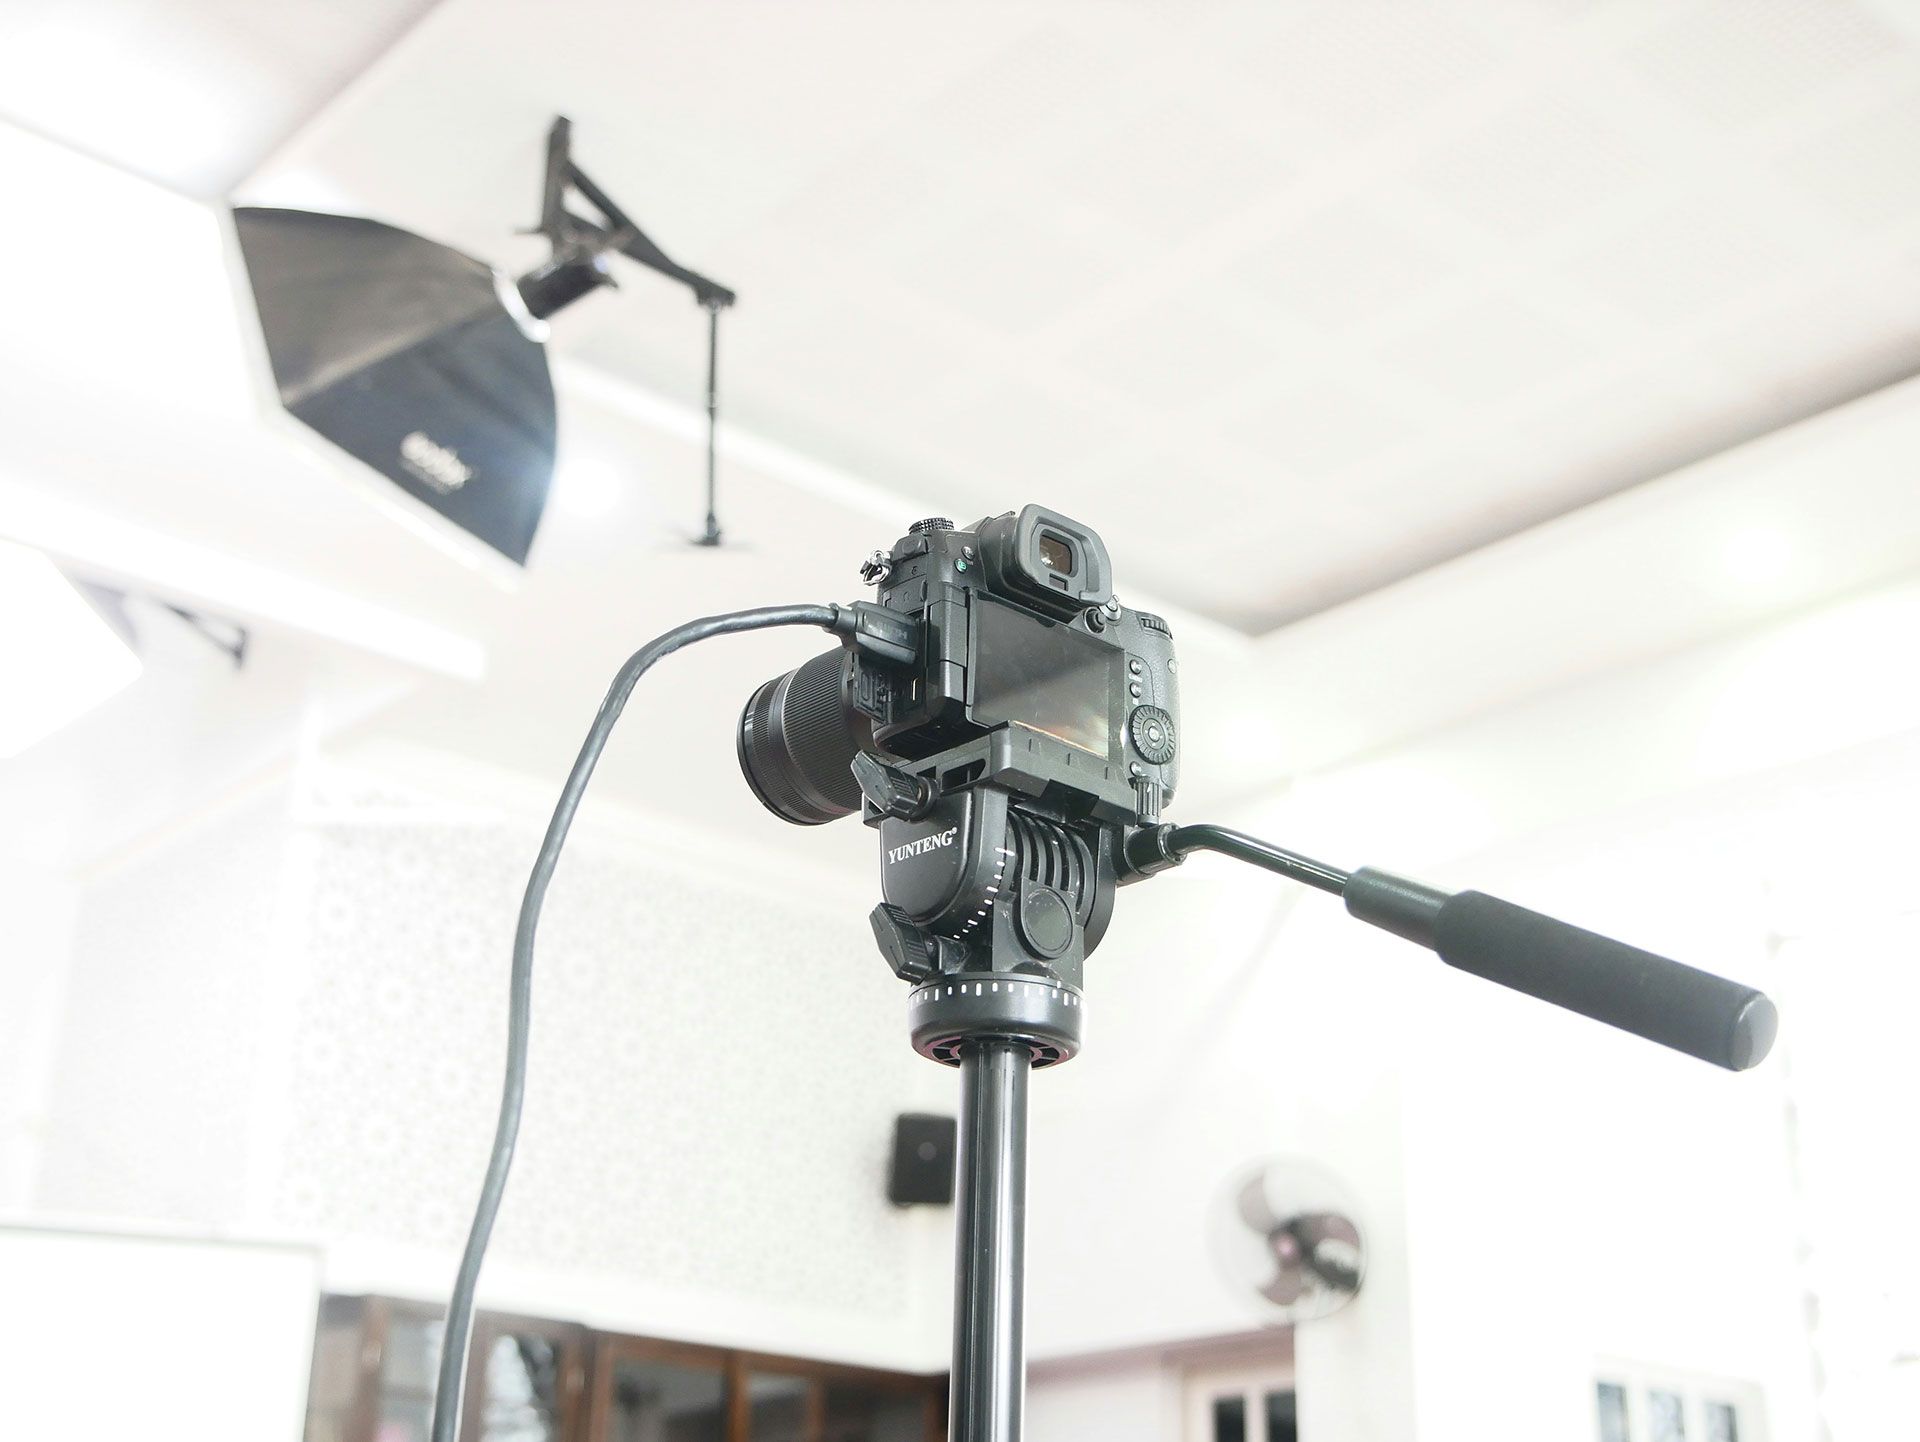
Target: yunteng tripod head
[[1012, 732]]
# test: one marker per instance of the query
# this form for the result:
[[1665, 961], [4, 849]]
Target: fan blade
[[1313, 1228], [1335, 1273], [1285, 1288], [1253, 1207], [1324, 1237]]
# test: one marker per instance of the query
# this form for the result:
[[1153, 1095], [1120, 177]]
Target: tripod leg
[[989, 1356]]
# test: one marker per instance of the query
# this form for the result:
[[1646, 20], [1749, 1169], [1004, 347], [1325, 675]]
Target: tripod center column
[[989, 1354]]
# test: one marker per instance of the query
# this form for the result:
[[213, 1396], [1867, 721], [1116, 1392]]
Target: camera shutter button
[[1151, 730]]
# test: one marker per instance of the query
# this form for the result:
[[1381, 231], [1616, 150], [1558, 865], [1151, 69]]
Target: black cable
[[711, 536], [453, 1354], [1242, 847]]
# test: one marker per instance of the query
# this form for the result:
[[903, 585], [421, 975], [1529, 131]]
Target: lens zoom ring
[[814, 722], [797, 739], [763, 764]]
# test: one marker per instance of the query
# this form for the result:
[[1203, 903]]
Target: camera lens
[[798, 736], [1056, 554]]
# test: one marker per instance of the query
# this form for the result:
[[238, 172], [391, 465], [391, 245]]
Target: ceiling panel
[[192, 93], [1375, 283]]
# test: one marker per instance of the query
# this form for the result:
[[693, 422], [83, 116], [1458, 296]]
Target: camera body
[[1002, 721], [1021, 637]]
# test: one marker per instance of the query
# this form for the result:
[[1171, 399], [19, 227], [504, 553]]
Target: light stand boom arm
[[578, 266]]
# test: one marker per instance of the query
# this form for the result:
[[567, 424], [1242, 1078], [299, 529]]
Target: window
[[1634, 1403], [1245, 1403]]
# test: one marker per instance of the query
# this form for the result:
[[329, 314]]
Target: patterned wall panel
[[713, 1070]]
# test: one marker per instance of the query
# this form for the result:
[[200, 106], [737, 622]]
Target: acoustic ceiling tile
[[1719, 244], [1540, 164], [1489, 349], [1350, 70], [1177, 171], [1006, 268], [1741, 61], [1343, 268], [1178, 350], [1319, 427], [1867, 167]]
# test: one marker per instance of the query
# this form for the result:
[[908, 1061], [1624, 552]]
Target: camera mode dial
[[1151, 730], [932, 523]]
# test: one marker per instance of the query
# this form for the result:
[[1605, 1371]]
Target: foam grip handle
[[1693, 1011], [1721, 1021]]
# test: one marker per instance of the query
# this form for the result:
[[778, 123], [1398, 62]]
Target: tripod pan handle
[[1724, 1022]]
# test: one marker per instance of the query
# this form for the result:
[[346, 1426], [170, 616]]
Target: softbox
[[416, 360], [428, 366]]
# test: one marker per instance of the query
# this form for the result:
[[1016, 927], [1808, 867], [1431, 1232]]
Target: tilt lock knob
[[892, 792], [912, 951]]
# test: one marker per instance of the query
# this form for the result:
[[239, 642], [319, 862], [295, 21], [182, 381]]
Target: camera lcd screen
[[1044, 675]]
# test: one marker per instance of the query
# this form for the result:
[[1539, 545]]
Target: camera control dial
[[1150, 729]]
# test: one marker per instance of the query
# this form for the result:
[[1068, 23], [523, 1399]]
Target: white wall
[[1128, 1400], [1575, 1194], [150, 1103], [1220, 1031], [172, 1339], [38, 905]]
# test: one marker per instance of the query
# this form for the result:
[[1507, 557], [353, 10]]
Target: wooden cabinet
[[647, 1391], [530, 1379], [787, 1400], [374, 1364], [526, 1381]]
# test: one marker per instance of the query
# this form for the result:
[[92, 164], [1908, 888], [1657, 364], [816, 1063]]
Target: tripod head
[[993, 902]]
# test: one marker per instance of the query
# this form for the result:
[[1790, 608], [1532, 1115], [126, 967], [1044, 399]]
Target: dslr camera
[[1013, 725]]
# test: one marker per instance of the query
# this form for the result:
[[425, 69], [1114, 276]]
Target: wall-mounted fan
[[1284, 1239]]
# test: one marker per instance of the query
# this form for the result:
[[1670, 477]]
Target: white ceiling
[[191, 93], [879, 368], [1288, 300]]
